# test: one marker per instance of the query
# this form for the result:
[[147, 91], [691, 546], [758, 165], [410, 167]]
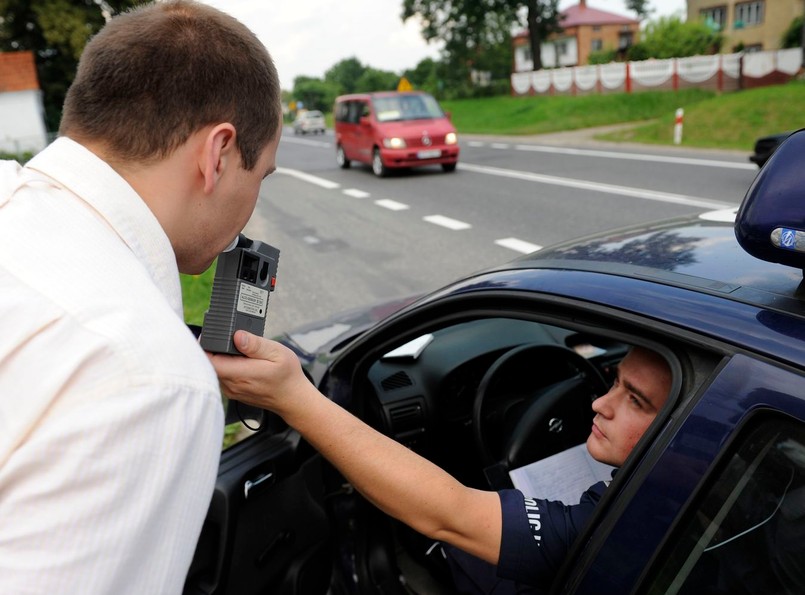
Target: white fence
[[721, 72]]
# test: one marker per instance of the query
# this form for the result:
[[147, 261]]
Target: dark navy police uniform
[[537, 535]]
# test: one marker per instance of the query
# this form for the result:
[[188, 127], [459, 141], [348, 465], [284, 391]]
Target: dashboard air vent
[[395, 381]]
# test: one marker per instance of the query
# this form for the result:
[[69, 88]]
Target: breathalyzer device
[[245, 276]]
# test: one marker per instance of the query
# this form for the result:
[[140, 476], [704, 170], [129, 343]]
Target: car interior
[[479, 392], [480, 398]]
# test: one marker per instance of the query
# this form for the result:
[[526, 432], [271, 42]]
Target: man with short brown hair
[[110, 414]]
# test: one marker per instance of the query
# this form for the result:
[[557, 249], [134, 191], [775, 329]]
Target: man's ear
[[218, 153]]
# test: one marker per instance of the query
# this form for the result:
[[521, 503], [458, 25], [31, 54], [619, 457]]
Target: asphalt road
[[349, 239]]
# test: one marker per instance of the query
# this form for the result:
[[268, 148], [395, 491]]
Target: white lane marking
[[355, 193], [308, 178], [290, 138], [725, 216], [391, 204], [679, 199], [311, 240], [475, 143], [518, 245], [636, 156], [500, 145], [447, 222]]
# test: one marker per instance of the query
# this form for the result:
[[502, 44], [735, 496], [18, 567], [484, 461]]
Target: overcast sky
[[307, 37]]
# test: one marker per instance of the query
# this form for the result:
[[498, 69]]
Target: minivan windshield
[[417, 106]]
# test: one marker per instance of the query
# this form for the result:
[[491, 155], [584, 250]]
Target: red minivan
[[393, 129]]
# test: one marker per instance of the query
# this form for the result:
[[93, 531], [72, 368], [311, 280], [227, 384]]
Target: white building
[[22, 114]]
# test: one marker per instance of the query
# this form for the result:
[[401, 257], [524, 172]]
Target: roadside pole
[[678, 126]]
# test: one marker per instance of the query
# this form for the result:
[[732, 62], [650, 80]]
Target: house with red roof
[[585, 30], [22, 113]]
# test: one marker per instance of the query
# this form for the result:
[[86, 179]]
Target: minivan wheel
[[341, 157], [377, 164], [448, 167]]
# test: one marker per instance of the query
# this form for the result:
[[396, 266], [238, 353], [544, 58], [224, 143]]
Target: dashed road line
[[447, 222], [679, 199], [355, 193], [518, 245], [300, 175], [619, 155], [392, 205]]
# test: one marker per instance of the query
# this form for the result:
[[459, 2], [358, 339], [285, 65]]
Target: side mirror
[[364, 121], [770, 224]]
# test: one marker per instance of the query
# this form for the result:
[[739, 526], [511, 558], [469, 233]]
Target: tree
[[639, 7], [345, 74], [542, 19], [377, 80], [470, 29], [670, 37], [315, 93], [56, 31], [792, 38]]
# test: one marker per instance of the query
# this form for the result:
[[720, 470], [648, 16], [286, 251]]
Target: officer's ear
[[218, 153]]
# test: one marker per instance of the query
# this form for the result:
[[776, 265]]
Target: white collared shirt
[[110, 413]]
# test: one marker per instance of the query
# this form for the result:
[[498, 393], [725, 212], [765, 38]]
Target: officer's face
[[627, 410]]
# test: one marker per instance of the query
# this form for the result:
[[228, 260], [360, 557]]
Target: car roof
[[699, 253]]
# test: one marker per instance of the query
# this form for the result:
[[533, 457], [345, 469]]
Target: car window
[[746, 534], [407, 107]]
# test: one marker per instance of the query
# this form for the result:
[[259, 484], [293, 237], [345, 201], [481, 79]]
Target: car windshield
[[406, 107]]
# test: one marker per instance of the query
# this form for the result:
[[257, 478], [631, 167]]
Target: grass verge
[[720, 121], [539, 115], [730, 121]]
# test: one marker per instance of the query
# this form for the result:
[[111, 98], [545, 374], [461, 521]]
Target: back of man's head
[[160, 72]]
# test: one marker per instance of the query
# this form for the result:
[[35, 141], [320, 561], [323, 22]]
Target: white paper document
[[564, 476]]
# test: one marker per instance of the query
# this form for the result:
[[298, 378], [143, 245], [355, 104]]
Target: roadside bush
[[21, 158], [602, 56]]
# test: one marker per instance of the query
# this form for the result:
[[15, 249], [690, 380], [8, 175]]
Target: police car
[[711, 500]]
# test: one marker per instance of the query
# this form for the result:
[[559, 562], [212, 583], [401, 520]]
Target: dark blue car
[[498, 370]]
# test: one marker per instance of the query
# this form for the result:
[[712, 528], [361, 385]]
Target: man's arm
[[392, 477]]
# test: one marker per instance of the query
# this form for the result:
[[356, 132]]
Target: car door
[[719, 505], [266, 530], [363, 130]]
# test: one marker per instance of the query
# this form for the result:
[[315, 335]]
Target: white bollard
[[678, 126]]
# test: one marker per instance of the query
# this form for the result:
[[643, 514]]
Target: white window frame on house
[[749, 13], [597, 45], [718, 14]]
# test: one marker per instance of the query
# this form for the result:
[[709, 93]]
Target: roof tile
[[17, 71]]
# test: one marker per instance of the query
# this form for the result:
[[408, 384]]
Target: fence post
[[720, 76], [675, 75], [628, 78]]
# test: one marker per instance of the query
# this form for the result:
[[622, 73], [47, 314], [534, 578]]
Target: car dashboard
[[422, 394]]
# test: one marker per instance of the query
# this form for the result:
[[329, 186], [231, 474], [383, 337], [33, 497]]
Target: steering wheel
[[534, 401]]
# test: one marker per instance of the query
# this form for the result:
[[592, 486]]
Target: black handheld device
[[245, 276]]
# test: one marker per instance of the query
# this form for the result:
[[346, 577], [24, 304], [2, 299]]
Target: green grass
[[539, 115], [196, 291], [730, 121], [712, 120]]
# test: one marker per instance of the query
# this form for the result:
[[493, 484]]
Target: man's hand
[[269, 377]]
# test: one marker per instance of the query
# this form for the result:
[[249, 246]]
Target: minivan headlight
[[395, 142], [450, 138]]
